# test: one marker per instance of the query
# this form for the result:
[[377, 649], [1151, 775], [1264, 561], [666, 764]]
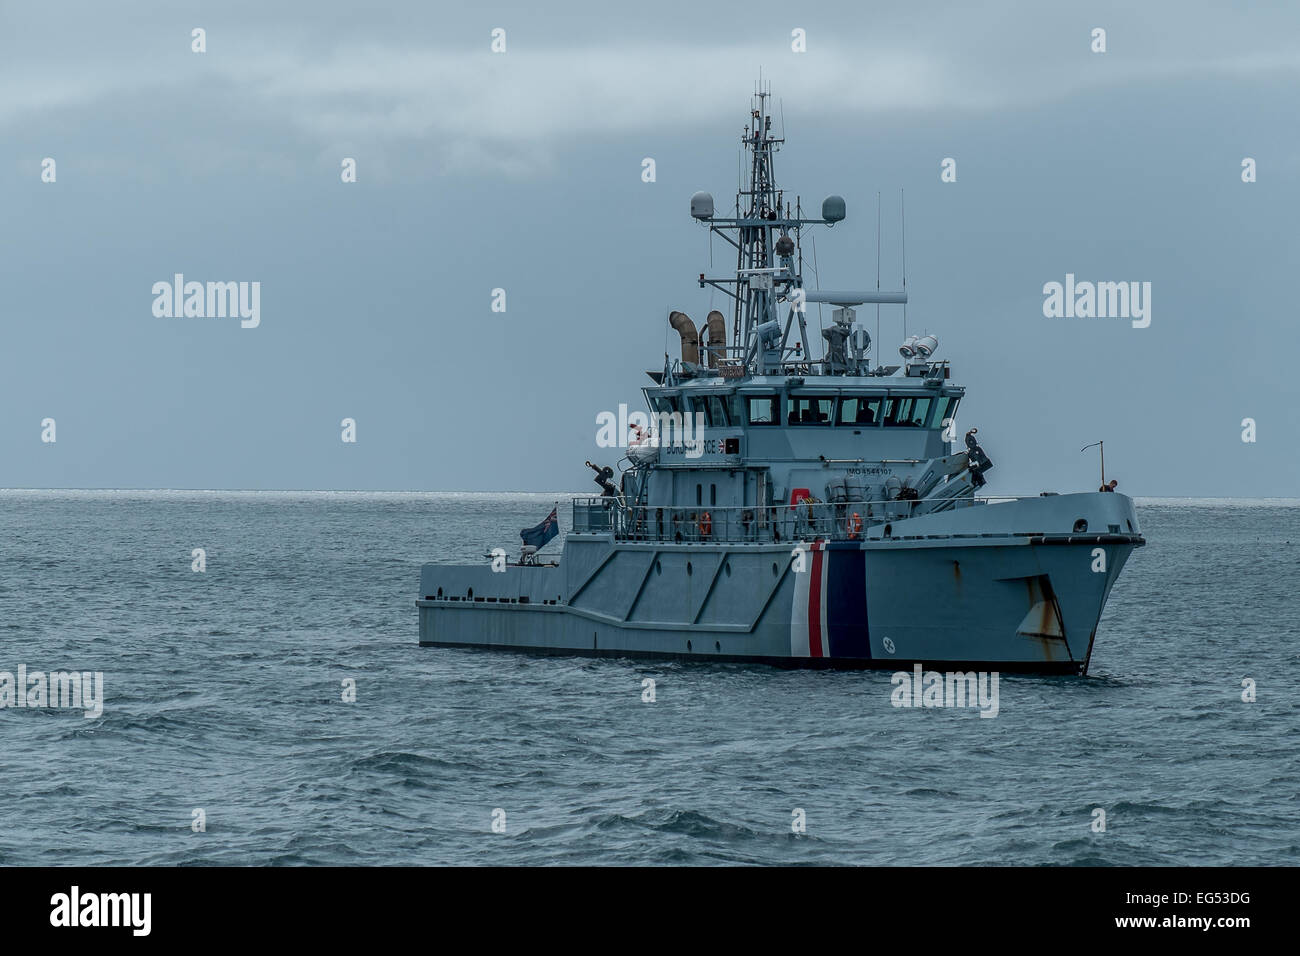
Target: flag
[[538, 535]]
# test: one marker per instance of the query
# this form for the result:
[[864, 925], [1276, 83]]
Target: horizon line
[[576, 494]]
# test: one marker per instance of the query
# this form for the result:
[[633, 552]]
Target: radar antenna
[[769, 257]]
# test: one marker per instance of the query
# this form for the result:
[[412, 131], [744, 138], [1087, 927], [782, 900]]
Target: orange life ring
[[705, 524], [854, 526]]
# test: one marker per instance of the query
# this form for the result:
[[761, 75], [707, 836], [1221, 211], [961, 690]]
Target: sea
[[265, 702]]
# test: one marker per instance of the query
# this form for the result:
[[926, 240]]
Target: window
[[713, 496], [761, 409], [811, 409], [735, 408], [945, 407], [718, 416], [860, 410], [919, 414], [909, 411], [713, 408], [665, 403]]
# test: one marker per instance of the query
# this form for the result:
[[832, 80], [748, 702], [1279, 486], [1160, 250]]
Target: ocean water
[[223, 693]]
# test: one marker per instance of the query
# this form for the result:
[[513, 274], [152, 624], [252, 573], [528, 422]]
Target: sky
[[522, 170]]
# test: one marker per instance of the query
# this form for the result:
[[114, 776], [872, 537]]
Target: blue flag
[[538, 535]]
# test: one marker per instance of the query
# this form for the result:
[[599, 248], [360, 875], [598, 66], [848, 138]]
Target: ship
[[783, 506]]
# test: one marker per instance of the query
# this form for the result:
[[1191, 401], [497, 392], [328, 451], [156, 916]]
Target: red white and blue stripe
[[828, 616]]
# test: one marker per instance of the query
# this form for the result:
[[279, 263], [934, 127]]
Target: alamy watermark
[[210, 300], [950, 689], [59, 689], [128, 910], [640, 432], [1098, 300]]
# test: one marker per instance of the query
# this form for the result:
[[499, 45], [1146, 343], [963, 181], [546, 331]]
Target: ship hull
[[1018, 594]]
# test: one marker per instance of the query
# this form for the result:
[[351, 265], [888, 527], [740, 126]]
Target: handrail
[[832, 520]]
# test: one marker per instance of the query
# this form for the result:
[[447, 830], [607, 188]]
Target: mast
[[762, 203], [769, 257]]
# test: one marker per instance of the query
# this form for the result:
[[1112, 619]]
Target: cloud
[[470, 109]]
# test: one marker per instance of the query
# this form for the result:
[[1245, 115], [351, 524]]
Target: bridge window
[[860, 409], [811, 409], [666, 403], [909, 411], [762, 409], [945, 407], [719, 414], [714, 408]]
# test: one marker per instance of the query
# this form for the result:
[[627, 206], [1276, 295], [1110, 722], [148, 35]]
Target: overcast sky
[[522, 170]]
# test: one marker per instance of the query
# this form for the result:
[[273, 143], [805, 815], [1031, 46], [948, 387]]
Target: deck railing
[[807, 520]]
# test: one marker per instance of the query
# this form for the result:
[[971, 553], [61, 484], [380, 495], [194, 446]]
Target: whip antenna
[[902, 215]]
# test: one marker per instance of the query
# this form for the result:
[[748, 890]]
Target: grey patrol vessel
[[780, 508]]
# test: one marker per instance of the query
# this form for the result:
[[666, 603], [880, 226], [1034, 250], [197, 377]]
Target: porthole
[[1081, 525]]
